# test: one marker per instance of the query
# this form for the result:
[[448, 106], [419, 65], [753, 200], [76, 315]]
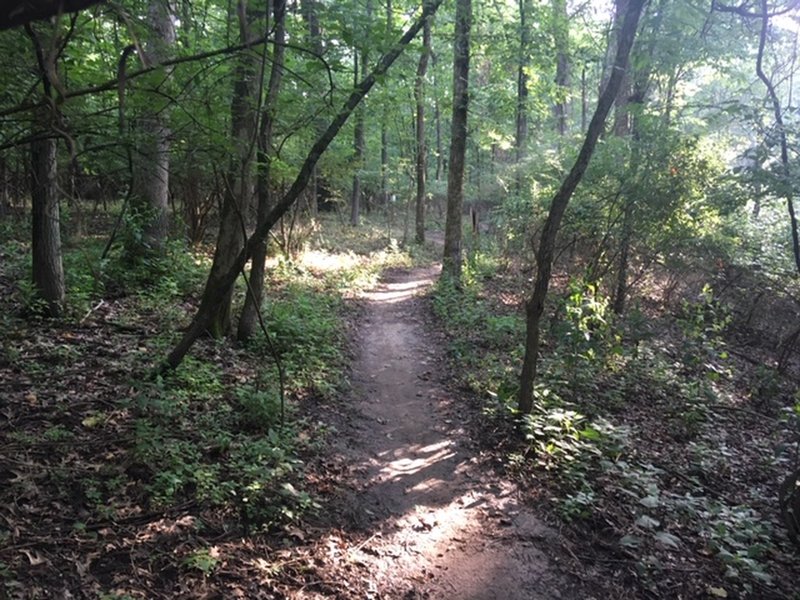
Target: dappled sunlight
[[409, 461], [320, 260], [390, 293]]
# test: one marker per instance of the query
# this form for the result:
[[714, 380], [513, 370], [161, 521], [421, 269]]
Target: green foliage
[[226, 450], [203, 560], [741, 538], [305, 330], [702, 323]]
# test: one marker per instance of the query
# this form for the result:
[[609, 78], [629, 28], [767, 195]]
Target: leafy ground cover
[[658, 440], [118, 484]]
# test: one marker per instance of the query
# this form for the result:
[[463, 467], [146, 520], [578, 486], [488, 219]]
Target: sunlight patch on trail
[[408, 460], [391, 293]]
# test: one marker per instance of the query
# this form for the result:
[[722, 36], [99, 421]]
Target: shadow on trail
[[436, 524]]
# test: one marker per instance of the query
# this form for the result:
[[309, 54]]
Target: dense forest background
[[192, 193]]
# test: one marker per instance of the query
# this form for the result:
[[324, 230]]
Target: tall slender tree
[[534, 307], [560, 18], [521, 117], [451, 263], [422, 152]]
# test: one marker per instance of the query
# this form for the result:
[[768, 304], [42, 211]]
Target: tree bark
[[309, 10], [252, 303], [358, 154], [219, 283], [521, 137], [47, 263], [561, 39], [384, 126], [359, 133], [48, 270], [238, 180], [451, 262], [150, 199], [421, 154], [545, 251]]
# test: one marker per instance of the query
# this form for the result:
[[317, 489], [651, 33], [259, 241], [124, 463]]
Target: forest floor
[[423, 515], [647, 478]]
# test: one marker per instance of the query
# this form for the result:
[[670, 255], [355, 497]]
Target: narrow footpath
[[430, 520]]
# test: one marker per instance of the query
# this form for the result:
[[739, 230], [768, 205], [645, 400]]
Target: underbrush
[[212, 450], [640, 431]]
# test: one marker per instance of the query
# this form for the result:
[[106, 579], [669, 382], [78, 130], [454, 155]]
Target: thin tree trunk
[[451, 262], [220, 282], [384, 126], [545, 251], [621, 292], [4, 204], [248, 321], [437, 115], [786, 183], [308, 8], [584, 100], [521, 139], [421, 154], [358, 154], [561, 39]]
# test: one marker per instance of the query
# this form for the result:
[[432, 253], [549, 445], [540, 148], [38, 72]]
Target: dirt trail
[[432, 521]]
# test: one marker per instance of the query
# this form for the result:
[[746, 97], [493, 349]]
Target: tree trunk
[[786, 175], [220, 282], [521, 138], [359, 139], [4, 203], [621, 292], [451, 263], [384, 126], [561, 39], [248, 320], [630, 99], [48, 271], [150, 199], [308, 8], [238, 180], [545, 251], [358, 154], [584, 99], [421, 154]]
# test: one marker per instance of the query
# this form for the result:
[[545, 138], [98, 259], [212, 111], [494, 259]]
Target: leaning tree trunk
[[544, 254], [451, 262], [252, 303], [220, 282], [421, 154]]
